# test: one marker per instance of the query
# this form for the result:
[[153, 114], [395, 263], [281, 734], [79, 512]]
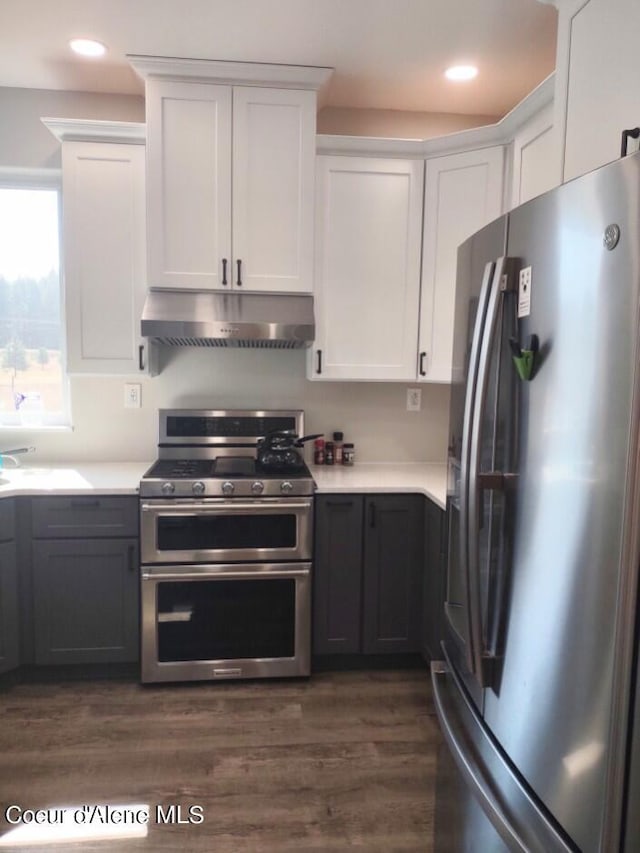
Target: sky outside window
[[29, 244]]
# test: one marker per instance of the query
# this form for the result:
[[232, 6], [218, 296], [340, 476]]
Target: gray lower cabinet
[[9, 606], [85, 585], [9, 611], [368, 565], [434, 582], [337, 574], [393, 568]]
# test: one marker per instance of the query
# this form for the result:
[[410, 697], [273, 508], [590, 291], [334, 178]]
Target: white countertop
[[123, 478], [429, 479], [105, 478]]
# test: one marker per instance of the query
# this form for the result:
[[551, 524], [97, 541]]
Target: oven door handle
[[209, 573], [226, 508]]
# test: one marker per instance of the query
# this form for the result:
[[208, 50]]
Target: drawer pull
[[85, 504]]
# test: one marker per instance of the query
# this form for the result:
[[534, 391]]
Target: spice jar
[[337, 447], [348, 454], [329, 457], [318, 451]]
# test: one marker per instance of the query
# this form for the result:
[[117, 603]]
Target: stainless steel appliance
[[537, 691], [226, 549], [217, 319]]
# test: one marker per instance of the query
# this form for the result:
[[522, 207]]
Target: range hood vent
[[213, 319]]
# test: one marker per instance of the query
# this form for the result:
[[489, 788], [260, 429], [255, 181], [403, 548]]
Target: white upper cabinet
[[367, 277], [230, 174], [598, 80], [533, 150], [273, 188], [103, 241], [463, 192], [188, 184]]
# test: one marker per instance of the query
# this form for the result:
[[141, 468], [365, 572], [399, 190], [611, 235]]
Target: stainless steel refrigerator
[[536, 692]]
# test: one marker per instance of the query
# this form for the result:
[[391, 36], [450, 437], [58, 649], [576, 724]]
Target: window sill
[[46, 428]]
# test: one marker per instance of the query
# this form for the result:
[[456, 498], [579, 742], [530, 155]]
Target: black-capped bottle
[[329, 457], [337, 447]]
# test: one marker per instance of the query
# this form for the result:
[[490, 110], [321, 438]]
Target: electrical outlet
[[132, 395], [414, 399]]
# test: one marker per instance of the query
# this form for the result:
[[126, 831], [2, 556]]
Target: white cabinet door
[[368, 224], [533, 151], [273, 186], [463, 192], [104, 256], [598, 80], [188, 184], [230, 186]]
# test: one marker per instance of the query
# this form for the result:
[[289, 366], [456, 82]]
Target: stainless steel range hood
[[214, 319]]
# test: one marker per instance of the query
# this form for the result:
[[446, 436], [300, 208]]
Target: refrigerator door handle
[[474, 358], [501, 282], [505, 801]]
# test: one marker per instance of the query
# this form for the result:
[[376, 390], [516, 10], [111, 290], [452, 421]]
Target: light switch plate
[[132, 395], [414, 399]]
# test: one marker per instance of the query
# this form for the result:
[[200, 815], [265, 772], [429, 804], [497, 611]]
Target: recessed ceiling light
[[461, 72], [87, 47]]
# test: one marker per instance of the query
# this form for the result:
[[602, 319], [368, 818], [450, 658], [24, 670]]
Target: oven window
[[226, 532], [226, 619]]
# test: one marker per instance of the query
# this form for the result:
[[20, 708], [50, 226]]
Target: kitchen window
[[33, 383]]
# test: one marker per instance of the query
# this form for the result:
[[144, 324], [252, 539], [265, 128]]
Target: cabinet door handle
[[372, 515], [239, 279], [131, 552], [421, 369], [141, 357], [319, 361], [632, 133], [224, 271]]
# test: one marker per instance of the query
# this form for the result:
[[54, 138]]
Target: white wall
[[372, 415], [26, 143]]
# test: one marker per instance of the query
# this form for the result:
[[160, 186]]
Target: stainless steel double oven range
[[226, 548]]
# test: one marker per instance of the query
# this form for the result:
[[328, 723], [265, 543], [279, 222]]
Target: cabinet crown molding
[[472, 139], [81, 130], [231, 73]]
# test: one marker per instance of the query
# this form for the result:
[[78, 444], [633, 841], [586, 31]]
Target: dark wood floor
[[339, 761]]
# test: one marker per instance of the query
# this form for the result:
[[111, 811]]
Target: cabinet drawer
[[84, 516], [7, 520]]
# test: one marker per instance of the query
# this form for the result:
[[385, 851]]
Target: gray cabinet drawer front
[[7, 520], [84, 516]]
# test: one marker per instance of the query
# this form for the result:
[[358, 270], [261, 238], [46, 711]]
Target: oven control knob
[[228, 488], [198, 488], [257, 488], [167, 488], [286, 488]]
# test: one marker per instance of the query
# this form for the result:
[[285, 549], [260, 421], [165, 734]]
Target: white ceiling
[[387, 54]]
